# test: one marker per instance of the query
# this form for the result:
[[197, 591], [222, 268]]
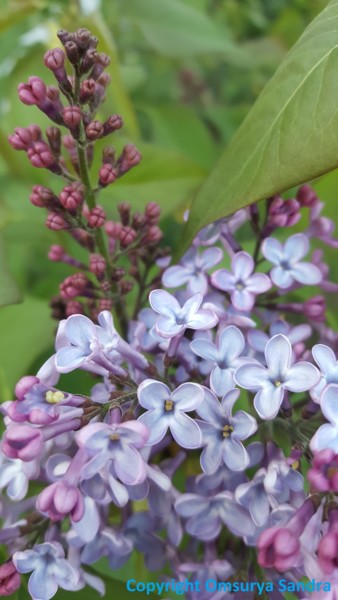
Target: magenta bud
[[36, 132], [72, 52], [152, 213], [278, 548], [74, 308], [129, 158], [328, 552], [306, 196], [54, 59], [87, 90], [112, 124], [315, 308], [61, 499], [154, 234], [33, 92], [72, 116], [21, 139], [22, 441], [105, 304], [96, 217], [56, 253], [41, 196], [94, 131], [107, 175], [127, 236], [73, 286], [71, 198], [97, 264], [283, 213], [113, 229], [323, 476], [24, 385], [56, 222], [40, 155], [9, 579]]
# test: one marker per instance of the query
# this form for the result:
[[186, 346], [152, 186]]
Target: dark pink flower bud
[[9, 579], [328, 552], [88, 60], [94, 131], [278, 548], [22, 441], [73, 286], [124, 211], [36, 132], [41, 196], [71, 198], [152, 213], [112, 124], [72, 116], [83, 38], [113, 229], [72, 52], [154, 234], [74, 308], [40, 155], [306, 196], [64, 36], [54, 59], [56, 222], [56, 253], [127, 236], [87, 90], [315, 308], [138, 221], [283, 213], [125, 286], [21, 139], [108, 155], [54, 139], [105, 304], [129, 158], [96, 217], [102, 62], [97, 264], [323, 476], [24, 385], [61, 499], [32, 93], [107, 175]]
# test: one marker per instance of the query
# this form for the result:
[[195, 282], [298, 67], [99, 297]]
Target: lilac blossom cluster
[[208, 443]]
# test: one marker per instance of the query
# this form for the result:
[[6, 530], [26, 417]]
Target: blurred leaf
[[17, 11], [9, 293], [178, 30], [289, 137], [26, 330]]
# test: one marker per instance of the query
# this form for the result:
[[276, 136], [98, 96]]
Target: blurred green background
[[184, 74]]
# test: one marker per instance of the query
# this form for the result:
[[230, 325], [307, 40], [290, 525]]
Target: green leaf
[[9, 292], [290, 136], [177, 30]]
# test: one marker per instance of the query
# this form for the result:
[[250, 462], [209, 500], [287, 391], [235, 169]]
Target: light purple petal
[[69, 358], [231, 344], [79, 331], [301, 376], [188, 505], [157, 424], [221, 380], [198, 283], [203, 319], [191, 306], [185, 431], [242, 265], [210, 409], [152, 394], [325, 437], [235, 455], [306, 273], [236, 517], [130, 466], [242, 299], [211, 456], [251, 377], [176, 276], [163, 303], [244, 425], [258, 283], [223, 280], [324, 357], [228, 401], [211, 257], [41, 585], [329, 403], [296, 246], [167, 327], [272, 250], [281, 278], [268, 400], [205, 349], [278, 356], [188, 396]]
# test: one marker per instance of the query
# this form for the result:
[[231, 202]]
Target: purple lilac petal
[[296, 246], [251, 376], [244, 425], [242, 265], [325, 358], [272, 250], [278, 355], [188, 396], [203, 319], [258, 283], [235, 455], [185, 431], [268, 400], [176, 276], [306, 273], [325, 437], [164, 303], [281, 278], [157, 424], [152, 394], [243, 299], [301, 376], [167, 327], [329, 403], [223, 280]]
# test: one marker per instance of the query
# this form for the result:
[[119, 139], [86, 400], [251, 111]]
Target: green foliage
[[9, 293], [289, 136]]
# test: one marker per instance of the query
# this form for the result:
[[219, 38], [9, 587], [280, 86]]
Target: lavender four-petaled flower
[[166, 409], [328, 365], [223, 433], [286, 259], [271, 382], [193, 270], [242, 284], [327, 435], [175, 319]]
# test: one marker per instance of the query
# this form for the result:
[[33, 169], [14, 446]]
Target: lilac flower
[[241, 283], [226, 356], [189, 362], [258, 339], [15, 476], [223, 433], [110, 543], [50, 570], [193, 270], [287, 257], [327, 435], [167, 409], [117, 443], [174, 319], [328, 364], [270, 383]]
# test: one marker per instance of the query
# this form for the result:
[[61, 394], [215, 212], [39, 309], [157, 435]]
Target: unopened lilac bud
[[323, 476], [61, 499], [97, 264], [328, 551], [9, 579], [23, 442], [35, 132], [113, 123], [54, 59], [32, 93], [124, 211], [118, 273], [56, 253], [72, 52], [153, 235], [64, 36], [107, 175], [125, 286], [56, 222], [152, 213], [113, 229], [54, 138], [102, 62], [138, 221], [96, 217], [24, 385], [41, 196], [306, 196], [105, 304], [71, 198], [127, 236], [83, 38], [104, 80], [283, 213], [129, 158], [88, 61], [72, 116], [108, 155], [40, 155], [73, 286], [74, 307], [21, 139], [315, 308], [94, 131], [87, 90]]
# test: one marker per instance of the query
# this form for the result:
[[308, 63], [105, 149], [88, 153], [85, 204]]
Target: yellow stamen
[[168, 405], [54, 397]]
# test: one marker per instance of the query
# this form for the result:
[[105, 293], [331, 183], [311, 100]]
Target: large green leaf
[[290, 136]]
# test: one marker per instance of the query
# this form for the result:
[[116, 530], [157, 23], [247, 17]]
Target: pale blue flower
[[174, 319], [193, 270], [327, 435], [271, 382], [287, 258], [328, 365]]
